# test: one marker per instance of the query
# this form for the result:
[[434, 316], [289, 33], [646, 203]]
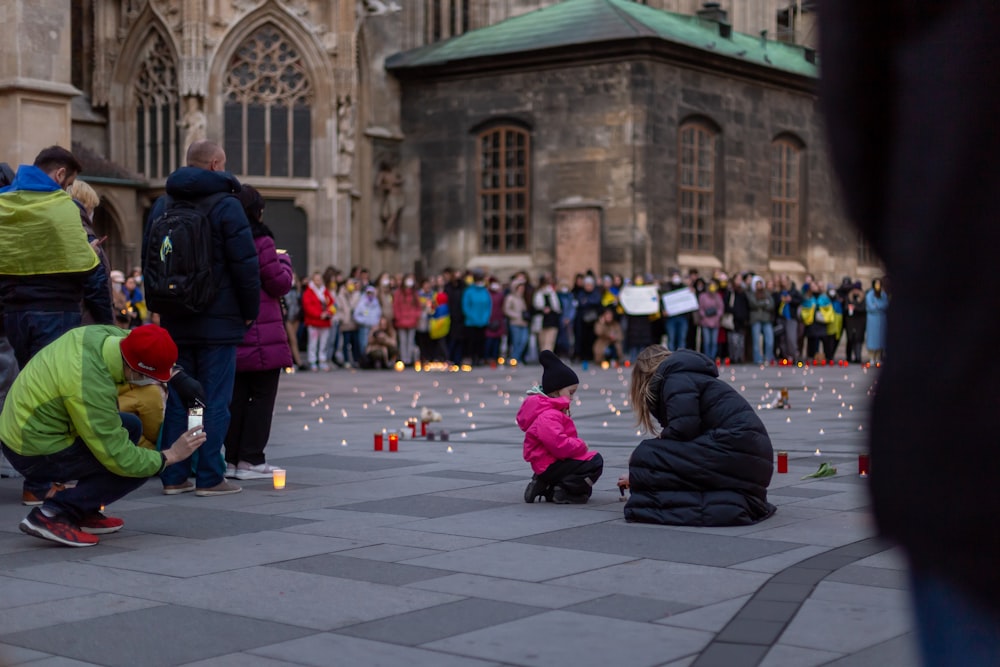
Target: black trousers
[[251, 410], [573, 475]]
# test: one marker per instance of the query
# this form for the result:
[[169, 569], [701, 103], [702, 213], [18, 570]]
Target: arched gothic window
[[268, 117], [157, 108], [504, 189]]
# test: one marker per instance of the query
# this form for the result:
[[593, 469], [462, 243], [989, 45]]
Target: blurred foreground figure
[[910, 96]]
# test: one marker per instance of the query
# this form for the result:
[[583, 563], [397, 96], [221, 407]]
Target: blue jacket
[[234, 261], [477, 306]]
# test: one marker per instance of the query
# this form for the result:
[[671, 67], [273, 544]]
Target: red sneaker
[[99, 524], [57, 529]]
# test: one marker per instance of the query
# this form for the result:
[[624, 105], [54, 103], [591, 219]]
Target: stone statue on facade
[[194, 122], [389, 195]]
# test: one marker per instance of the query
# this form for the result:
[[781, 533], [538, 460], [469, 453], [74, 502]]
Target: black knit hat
[[556, 375]]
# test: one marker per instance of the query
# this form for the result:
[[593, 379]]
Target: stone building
[[367, 165], [607, 135]]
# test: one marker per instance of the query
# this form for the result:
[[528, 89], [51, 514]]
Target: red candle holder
[[782, 462], [378, 441], [393, 441], [864, 464], [423, 429]]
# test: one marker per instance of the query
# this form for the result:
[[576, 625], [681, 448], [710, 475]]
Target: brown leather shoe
[[223, 488], [29, 499], [175, 489]]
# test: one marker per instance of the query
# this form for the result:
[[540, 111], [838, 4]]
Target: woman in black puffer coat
[[712, 462]]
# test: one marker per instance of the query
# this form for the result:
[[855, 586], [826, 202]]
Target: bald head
[[206, 155]]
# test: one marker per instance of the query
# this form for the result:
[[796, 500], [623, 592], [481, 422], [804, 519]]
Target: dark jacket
[[265, 346], [712, 463], [911, 140], [234, 262]]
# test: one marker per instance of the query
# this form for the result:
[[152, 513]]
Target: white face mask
[[385, 283], [495, 287], [675, 280], [408, 283]]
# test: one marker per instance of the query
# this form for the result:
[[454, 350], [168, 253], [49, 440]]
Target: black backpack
[[177, 257]]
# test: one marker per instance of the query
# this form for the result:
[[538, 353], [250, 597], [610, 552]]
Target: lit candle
[[393, 441], [278, 477]]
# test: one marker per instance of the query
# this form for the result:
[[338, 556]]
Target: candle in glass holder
[[278, 476], [378, 441], [393, 441], [864, 461], [782, 462]]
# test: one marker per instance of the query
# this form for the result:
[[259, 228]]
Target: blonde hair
[[83, 193], [643, 392]]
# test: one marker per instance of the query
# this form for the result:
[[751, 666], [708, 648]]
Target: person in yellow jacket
[[61, 422]]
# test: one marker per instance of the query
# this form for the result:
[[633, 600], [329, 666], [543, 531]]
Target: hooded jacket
[[549, 431], [69, 390], [265, 345], [712, 462], [234, 261]]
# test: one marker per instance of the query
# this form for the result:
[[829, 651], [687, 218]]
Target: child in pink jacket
[[564, 469]]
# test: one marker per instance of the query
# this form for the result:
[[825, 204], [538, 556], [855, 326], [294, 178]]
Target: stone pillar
[[35, 75]]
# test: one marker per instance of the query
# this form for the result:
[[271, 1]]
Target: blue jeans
[[492, 349], [351, 343], [518, 342], [710, 341], [677, 332], [953, 628], [28, 331], [96, 485], [215, 367], [362, 340], [767, 329]]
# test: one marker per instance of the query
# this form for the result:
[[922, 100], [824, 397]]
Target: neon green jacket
[[69, 390]]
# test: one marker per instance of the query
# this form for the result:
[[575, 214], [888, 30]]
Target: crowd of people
[[469, 317], [130, 359]]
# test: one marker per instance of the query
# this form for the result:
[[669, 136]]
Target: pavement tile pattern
[[429, 556]]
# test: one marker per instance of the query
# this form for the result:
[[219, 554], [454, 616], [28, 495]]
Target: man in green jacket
[[61, 422]]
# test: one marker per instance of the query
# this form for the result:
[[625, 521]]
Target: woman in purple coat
[[261, 356]]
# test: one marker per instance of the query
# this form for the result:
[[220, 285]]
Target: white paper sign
[[640, 300], [680, 301]]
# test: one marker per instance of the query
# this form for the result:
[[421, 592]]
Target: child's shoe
[[561, 497], [537, 489]]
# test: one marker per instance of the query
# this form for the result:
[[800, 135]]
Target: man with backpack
[[201, 275]]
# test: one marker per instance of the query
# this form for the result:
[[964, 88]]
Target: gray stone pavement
[[429, 556]]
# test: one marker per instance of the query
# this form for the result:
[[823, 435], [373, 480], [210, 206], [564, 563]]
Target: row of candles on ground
[[864, 463], [391, 438]]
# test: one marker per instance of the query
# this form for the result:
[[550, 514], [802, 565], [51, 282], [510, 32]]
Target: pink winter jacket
[[549, 433]]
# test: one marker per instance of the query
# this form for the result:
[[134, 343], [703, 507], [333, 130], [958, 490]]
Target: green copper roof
[[582, 22]]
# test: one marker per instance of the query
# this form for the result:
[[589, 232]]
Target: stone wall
[[608, 132]]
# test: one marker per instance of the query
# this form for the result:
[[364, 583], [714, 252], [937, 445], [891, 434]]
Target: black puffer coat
[[712, 463]]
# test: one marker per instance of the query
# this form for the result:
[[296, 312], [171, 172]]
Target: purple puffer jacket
[[265, 345]]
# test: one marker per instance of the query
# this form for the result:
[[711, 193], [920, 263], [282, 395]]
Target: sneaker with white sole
[[259, 471], [57, 528], [99, 523], [230, 471]]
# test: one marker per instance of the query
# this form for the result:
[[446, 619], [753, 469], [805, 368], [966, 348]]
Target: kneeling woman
[[712, 461]]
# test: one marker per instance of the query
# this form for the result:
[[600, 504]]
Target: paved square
[[429, 556]]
